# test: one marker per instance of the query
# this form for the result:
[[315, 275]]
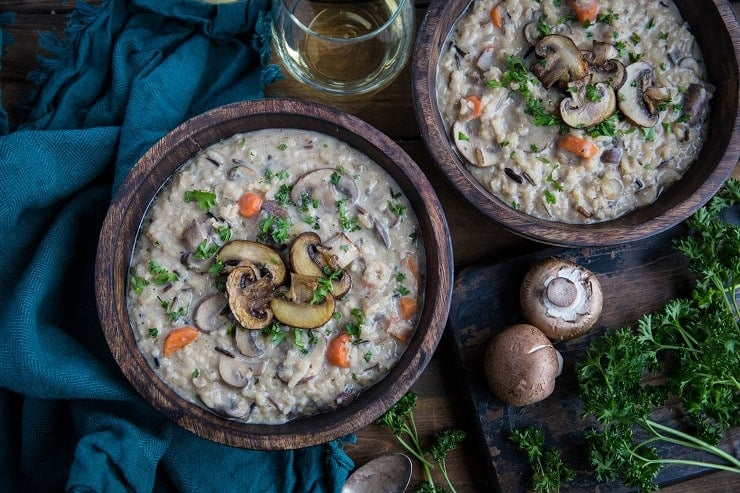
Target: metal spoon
[[388, 473]]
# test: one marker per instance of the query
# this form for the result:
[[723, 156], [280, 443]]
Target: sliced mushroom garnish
[[247, 344], [209, 314], [194, 235], [310, 258], [302, 315], [474, 152], [601, 51], [243, 252], [589, 105], [343, 249], [637, 96], [485, 59], [326, 186], [562, 61], [612, 155], [302, 288], [695, 102], [237, 371], [381, 231], [225, 402], [249, 298]]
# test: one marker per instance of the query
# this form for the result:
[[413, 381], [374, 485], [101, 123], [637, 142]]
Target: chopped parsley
[[282, 196], [607, 127], [516, 72], [274, 227], [463, 137], [274, 332], [224, 232], [206, 250], [397, 209], [348, 223], [607, 17], [161, 275], [283, 175], [543, 27], [153, 332], [282, 147], [550, 197], [592, 93], [138, 283], [354, 328], [205, 200], [169, 308]]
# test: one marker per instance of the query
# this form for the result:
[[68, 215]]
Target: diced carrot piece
[[497, 15], [577, 145], [407, 307], [585, 10], [475, 106], [337, 353], [179, 338], [250, 204]]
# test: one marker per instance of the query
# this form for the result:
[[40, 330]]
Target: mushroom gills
[[249, 297], [637, 96], [563, 61]]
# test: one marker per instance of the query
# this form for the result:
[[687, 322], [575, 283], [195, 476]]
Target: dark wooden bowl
[[121, 224], [715, 28]]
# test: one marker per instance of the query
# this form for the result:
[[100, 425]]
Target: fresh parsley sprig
[[693, 341], [548, 468], [400, 419]]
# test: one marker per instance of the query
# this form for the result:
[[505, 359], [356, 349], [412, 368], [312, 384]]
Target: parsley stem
[[677, 437]]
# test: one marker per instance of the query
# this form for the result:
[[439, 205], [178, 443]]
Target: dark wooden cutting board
[[636, 278]]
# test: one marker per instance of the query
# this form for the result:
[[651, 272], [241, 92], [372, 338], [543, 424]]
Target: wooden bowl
[[155, 167], [715, 28]]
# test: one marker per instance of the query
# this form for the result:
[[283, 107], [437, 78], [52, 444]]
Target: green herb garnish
[[205, 200]]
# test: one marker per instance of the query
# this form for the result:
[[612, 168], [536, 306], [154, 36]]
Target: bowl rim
[[613, 232], [121, 224]]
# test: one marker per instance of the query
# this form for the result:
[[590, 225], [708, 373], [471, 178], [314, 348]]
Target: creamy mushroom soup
[[276, 275], [576, 112]]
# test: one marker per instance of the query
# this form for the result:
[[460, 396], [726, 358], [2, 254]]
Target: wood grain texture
[[636, 278], [156, 166], [715, 28]]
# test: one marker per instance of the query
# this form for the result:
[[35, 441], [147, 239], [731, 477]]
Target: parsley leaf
[[205, 200]]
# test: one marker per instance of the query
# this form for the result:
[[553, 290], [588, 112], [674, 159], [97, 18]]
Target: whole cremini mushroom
[[521, 365], [561, 298]]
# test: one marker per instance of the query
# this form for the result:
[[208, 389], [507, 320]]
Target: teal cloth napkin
[[124, 74]]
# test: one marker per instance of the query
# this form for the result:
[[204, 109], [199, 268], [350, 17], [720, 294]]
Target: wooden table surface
[[475, 240]]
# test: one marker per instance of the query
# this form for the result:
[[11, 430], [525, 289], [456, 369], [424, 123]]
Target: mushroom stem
[[562, 292]]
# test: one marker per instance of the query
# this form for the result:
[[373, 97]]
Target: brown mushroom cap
[[521, 365], [562, 61], [561, 298]]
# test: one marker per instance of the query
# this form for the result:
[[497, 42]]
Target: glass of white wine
[[343, 48]]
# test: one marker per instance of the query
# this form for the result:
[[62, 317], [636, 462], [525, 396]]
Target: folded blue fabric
[[125, 73]]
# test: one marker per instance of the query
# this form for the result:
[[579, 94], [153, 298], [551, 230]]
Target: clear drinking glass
[[344, 48]]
